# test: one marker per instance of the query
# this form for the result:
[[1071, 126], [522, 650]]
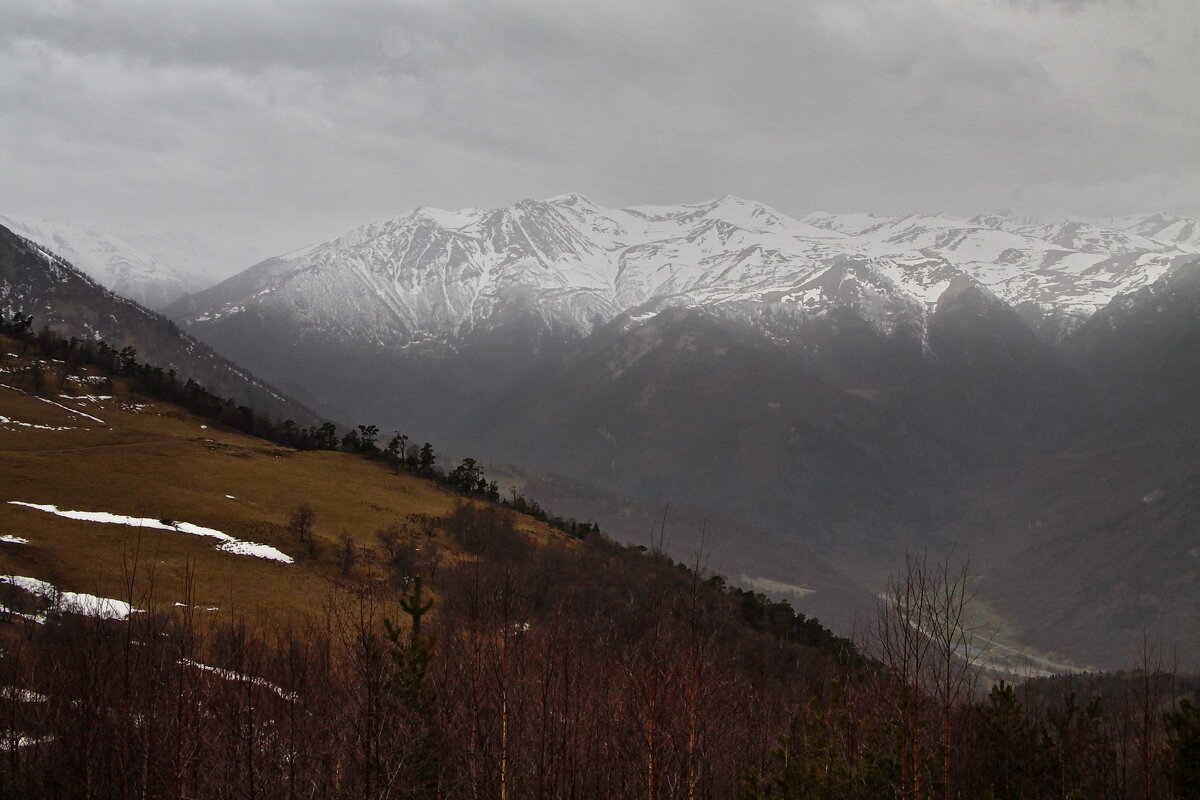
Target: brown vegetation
[[431, 645]]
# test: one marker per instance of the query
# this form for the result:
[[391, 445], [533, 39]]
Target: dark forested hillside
[[37, 283], [423, 640]]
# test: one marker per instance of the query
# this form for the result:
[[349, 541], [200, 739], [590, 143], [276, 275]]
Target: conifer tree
[[425, 459], [1183, 750]]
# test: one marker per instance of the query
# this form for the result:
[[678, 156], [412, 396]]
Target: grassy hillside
[[152, 460]]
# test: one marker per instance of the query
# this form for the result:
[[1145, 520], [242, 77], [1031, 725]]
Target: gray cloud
[[275, 124]]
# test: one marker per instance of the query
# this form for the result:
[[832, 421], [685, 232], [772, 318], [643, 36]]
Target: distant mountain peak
[[573, 199], [437, 275], [128, 269]]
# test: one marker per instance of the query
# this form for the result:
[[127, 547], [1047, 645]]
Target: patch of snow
[[51, 402], [10, 539], [40, 619], [10, 741], [230, 544], [231, 675], [17, 423], [207, 608], [89, 605], [21, 695]]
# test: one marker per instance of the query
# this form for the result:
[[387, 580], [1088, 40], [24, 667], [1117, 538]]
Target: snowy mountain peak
[[991, 221], [447, 219], [1167, 228], [437, 275], [115, 263], [573, 199]]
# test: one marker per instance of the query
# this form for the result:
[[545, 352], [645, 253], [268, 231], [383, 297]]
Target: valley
[[825, 392], [899, 397]]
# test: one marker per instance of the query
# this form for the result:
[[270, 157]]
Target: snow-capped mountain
[[36, 281], [1063, 271], [434, 276], [1181, 231], [861, 383], [130, 270]]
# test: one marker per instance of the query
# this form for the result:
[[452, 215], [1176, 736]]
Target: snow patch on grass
[[89, 605], [8, 421], [202, 608], [51, 402], [229, 544]]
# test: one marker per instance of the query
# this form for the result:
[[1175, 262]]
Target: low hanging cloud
[[271, 125]]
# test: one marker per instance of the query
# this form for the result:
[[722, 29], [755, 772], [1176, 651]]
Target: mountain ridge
[[860, 385], [431, 276], [39, 283], [127, 266]]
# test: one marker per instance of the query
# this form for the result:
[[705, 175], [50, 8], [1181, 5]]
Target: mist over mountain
[[484, 291], [152, 272], [351, 451], [37, 282], [853, 382], [432, 277]]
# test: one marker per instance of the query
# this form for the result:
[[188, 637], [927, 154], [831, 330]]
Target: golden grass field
[[158, 461]]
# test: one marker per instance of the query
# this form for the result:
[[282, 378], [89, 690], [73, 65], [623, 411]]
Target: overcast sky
[[272, 125]]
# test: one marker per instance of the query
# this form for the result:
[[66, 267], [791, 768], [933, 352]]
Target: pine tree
[[425, 459], [396, 449], [409, 686], [1183, 750]]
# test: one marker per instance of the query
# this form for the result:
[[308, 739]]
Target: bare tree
[[924, 637], [904, 646], [956, 649]]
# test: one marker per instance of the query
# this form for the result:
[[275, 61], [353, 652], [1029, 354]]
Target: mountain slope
[[859, 385], [395, 319], [1145, 349], [36, 282], [430, 280], [118, 265], [1164, 228]]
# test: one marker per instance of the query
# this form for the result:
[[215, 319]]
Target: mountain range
[[434, 277], [857, 384], [814, 396]]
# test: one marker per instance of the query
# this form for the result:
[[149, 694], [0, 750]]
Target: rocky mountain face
[[412, 311], [858, 384], [152, 272], [430, 279], [38, 282]]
